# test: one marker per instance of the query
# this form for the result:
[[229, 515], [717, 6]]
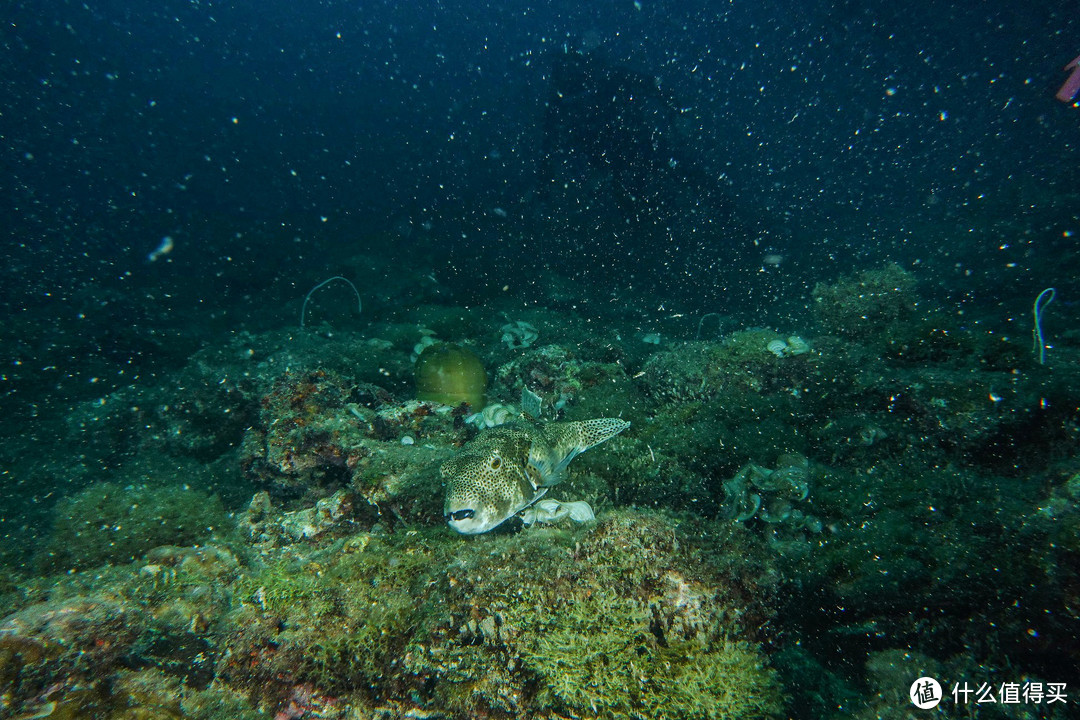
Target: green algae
[[147, 694], [514, 623], [597, 656], [347, 612], [641, 616], [361, 652], [604, 634]]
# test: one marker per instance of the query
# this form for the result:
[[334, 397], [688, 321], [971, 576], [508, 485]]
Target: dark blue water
[[832, 133]]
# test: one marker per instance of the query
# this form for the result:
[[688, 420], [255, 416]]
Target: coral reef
[[307, 436], [82, 644], [776, 520], [320, 433], [644, 615]]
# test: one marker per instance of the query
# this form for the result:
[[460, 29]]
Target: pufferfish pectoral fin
[[565, 441], [530, 503]]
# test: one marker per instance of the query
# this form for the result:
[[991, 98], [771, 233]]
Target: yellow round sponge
[[451, 374]]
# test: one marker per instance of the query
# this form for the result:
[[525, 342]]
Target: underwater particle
[[451, 374], [164, 248]]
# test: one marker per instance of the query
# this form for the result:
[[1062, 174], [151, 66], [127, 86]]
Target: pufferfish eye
[[462, 514]]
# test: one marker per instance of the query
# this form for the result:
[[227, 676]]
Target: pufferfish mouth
[[461, 514]]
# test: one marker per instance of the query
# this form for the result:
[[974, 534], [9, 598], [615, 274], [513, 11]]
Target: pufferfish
[[507, 469]]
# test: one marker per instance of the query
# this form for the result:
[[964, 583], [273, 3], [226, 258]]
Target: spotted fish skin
[[506, 469]]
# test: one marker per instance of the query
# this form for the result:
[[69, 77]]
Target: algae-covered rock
[[107, 522], [572, 388], [57, 642], [70, 650], [550, 371], [305, 436], [405, 480], [318, 433], [869, 303], [740, 362], [639, 617]]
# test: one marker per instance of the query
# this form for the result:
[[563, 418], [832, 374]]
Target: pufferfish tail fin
[[565, 441]]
